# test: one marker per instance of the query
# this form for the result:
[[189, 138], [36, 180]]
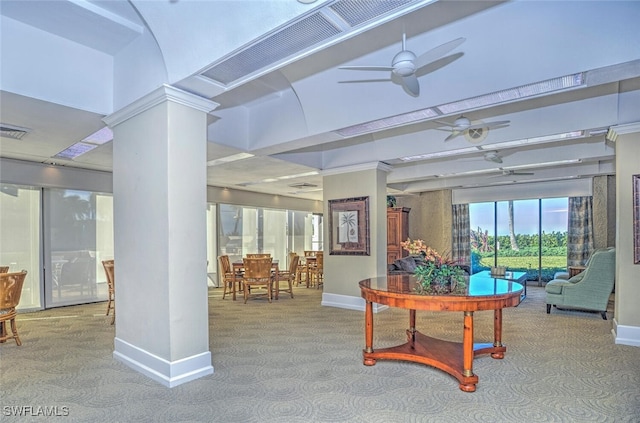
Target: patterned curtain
[[461, 235], [580, 230]]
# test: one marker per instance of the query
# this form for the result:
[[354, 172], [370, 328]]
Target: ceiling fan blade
[[357, 81], [368, 68], [488, 125], [411, 85], [437, 52], [497, 123], [444, 123], [453, 135]]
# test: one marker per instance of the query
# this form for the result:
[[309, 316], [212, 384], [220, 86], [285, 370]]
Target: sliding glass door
[[244, 230], [20, 233], [78, 236], [522, 235]]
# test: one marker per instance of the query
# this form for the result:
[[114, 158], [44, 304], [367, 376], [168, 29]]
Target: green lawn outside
[[527, 262], [552, 264]]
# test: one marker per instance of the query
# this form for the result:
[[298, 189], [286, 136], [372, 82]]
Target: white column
[[626, 319], [343, 272], [159, 190]]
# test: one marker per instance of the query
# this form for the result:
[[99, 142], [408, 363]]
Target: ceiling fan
[[493, 156], [405, 64], [474, 133], [511, 172]]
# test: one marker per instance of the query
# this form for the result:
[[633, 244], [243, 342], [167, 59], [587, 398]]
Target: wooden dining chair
[[229, 278], [288, 276], [4, 269], [303, 268], [10, 291], [258, 255], [109, 271], [316, 273], [257, 273]]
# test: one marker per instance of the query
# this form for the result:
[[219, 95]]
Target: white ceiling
[[67, 64]]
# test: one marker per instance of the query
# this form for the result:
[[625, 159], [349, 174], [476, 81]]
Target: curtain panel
[[580, 230], [461, 235]]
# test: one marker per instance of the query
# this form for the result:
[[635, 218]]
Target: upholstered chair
[[588, 290]]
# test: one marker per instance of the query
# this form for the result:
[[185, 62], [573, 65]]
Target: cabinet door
[[393, 229]]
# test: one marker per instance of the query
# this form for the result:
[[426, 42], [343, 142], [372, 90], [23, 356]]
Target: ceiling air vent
[[280, 45], [303, 185], [12, 131], [356, 12]]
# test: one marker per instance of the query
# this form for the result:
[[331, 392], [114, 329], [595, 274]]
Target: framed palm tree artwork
[[636, 219], [349, 223]]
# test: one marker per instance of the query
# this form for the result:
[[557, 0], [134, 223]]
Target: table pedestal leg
[[411, 333], [497, 333], [368, 334], [467, 351]]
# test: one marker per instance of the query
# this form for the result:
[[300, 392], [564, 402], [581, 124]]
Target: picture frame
[[349, 226], [636, 219]]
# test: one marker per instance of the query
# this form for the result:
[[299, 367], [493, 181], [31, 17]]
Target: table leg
[[233, 288], [411, 333], [368, 333], [497, 332], [467, 351], [277, 281]]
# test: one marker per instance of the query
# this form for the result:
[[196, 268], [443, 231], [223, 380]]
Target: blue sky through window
[[554, 216]]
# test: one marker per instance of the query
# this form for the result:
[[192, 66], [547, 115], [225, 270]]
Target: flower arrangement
[[419, 247], [438, 275]]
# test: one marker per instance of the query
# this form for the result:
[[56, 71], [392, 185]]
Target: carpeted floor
[[296, 361]]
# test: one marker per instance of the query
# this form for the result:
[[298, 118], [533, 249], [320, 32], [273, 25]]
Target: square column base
[[169, 374]]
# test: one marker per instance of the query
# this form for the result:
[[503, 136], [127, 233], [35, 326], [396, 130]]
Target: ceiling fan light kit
[[473, 132]]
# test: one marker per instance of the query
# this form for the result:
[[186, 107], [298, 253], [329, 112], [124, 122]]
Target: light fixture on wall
[[611, 136]]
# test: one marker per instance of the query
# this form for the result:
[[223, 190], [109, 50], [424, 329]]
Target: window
[[20, 239], [523, 235], [78, 236], [244, 230]]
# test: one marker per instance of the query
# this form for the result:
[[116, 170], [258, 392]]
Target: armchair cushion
[[555, 286], [561, 275], [577, 278]]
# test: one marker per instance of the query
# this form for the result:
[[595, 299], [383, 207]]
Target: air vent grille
[[280, 45], [11, 131], [355, 12]]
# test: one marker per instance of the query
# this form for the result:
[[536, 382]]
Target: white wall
[[627, 296]]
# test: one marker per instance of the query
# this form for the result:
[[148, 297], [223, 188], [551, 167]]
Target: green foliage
[[525, 259], [436, 277]]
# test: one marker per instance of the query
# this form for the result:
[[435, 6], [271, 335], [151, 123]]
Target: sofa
[[407, 265]]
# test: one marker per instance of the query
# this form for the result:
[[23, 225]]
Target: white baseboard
[[169, 374], [626, 335], [348, 302]]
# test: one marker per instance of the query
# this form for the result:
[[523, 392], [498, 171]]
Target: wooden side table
[[574, 270]]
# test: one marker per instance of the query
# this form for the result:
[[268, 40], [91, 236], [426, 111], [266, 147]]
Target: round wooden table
[[452, 357]]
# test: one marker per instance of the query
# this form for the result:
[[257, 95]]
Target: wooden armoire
[[397, 232]]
